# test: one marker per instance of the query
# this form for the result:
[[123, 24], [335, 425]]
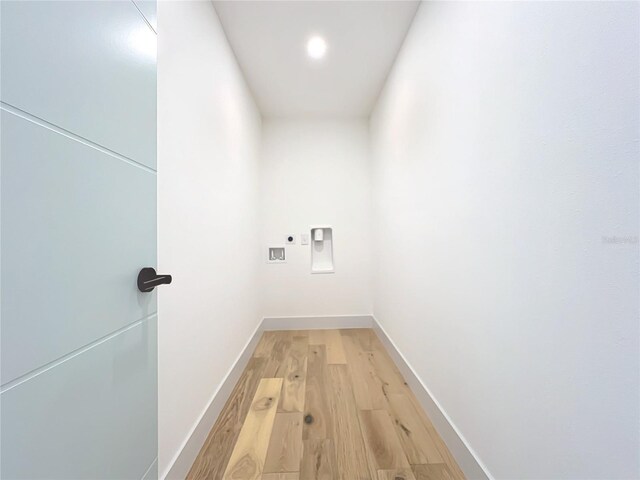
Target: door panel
[[93, 416], [149, 10], [78, 210], [77, 226], [87, 67]]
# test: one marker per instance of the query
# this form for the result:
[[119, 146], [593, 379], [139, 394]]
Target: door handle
[[148, 279]]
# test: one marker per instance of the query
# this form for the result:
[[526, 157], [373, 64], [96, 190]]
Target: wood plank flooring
[[323, 404]]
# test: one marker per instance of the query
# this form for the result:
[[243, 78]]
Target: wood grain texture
[[317, 396], [351, 455], [335, 349], [248, 456], [402, 474], [416, 440], [365, 338], [280, 476], [216, 451], [444, 452], [367, 389], [285, 447], [295, 375], [434, 471], [363, 420], [316, 337], [383, 446], [265, 344], [276, 357], [318, 460], [385, 373]]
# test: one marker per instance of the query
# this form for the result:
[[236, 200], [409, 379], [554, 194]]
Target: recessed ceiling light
[[316, 47]]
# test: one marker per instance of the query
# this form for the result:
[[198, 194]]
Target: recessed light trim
[[316, 47]]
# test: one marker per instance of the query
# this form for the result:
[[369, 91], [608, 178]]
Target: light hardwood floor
[[323, 404]]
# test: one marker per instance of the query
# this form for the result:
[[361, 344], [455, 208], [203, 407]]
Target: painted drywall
[[315, 172], [505, 149], [208, 148]]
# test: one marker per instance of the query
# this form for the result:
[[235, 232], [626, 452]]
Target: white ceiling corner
[[269, 41]]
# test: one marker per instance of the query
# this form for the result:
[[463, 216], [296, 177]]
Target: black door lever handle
[[148, 279]]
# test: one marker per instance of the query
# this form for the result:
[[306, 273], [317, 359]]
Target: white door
[[78, 217]]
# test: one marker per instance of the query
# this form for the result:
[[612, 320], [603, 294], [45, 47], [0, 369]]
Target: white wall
[[506, 147], [208, 148], [316, 172]]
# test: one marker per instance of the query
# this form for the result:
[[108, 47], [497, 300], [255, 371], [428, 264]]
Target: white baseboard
[[183, 461], [467, 459], [464, 455], [317, 323]]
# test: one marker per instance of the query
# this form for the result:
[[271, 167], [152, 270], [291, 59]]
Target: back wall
[[316, 172]]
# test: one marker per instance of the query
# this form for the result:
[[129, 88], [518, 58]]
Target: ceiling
[[269, 40]]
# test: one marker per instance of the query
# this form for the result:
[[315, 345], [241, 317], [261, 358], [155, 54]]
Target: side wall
[[505, 149], [208, 148], [316, 172]]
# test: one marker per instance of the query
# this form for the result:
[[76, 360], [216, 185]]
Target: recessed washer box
[[276, 255]]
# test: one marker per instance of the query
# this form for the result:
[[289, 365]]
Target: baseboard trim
[[318, 322], [467, 459], [184, 459]]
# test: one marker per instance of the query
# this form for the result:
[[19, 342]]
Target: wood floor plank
[[377, 386], [351, 454], [376, 342], [281, 476], [293, 389], [248, 456], [383, 368], [346, 437], [335, 349], [276, 359], [318, 460], [265, 345], [212, 460], [377, 369], [298, 333], [444, 452], [358, 380], [402, 474], [434, 471], [383, 446], [285, 447], [317, 421], [364, 337], [416, 441], [316, 337], [367, 388], [393, 381]]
